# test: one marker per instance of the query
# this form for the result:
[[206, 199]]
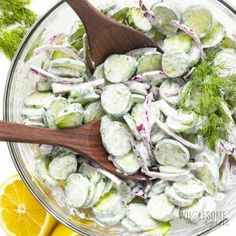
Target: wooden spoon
[[107, 36], [86, 140]]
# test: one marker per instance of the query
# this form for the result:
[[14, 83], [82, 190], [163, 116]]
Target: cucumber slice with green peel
[[71, 117], [76, 35], [191, 189], [77, 189], [175, 63], [208, 173], [90, 172], [158, 188], [66, 67], [157, 136], [160, 208], [228, 43], [120, 15], [138, 214], [137, 53], [41, 169], [109, 205], [170, 90], [116, 139], [111, 220], [83, 95], [132, 126], [199, 19], [44, 85], [171, 169], [150, 61], [143, 154], [39, 99], [138, 113], [165, 12], [116, 99], [60, 54], [165, 149], [194, 212], [137, 98], [119, 68], [93, 111], [181, 41], [176, 199], [128, 164], [138, 88], [99, 72], [209, 157], [28, 112], [130, 226], [61, 167], [215, 36], [226, 59], [98, 192], [194, 55], [163, 229], [108, 186], [56, 106], [137, 20]]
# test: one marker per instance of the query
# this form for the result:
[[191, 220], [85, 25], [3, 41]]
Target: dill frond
[[205, 95], [10, 40]]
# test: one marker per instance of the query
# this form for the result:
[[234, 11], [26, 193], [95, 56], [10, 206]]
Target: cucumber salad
[[169, 115]]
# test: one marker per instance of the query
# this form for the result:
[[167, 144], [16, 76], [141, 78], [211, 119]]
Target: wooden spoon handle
[[13, 132]]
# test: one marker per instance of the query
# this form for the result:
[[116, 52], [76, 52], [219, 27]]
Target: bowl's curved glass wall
[[21, 82]]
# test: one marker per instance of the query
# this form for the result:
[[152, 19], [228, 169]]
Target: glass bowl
[[20, 83]]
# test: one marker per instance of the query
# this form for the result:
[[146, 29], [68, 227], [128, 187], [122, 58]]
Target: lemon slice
[[20, 213], [62, 230]]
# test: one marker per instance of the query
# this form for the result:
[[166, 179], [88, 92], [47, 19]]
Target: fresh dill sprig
[[206, 94], [15, 20], [10, 40]]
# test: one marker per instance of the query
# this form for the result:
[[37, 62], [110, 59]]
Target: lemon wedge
[[20, 213]]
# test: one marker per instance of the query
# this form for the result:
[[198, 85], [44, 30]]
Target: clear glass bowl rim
[[6, 118]]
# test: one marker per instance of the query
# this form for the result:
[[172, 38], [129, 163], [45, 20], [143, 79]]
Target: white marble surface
[[7, 168]]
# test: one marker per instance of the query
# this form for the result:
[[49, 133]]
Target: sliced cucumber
[[109, 205], [128, 164], [28, 112], [58, 105], [120, 15], [137, 20], [163, 229], [157, 135], [76, 35], [130, 226], [166, 12], [132, 126], [116, 139], [61, 167], [137, 53], [194, 55], [199, 19], [90, 172], [66, 67], [208, 173], [39, 99], [191, 189], [71, 117], [77, 189], [116, 99], [143, 154], [175, 63], [228, 43], [171, 169], [99, 72], [169, 152], [137, 213], [170, 90], [215, 36], [176, 199], [137, 87], [160, 208], [181, 41], [41, 168], [119, 68], [158, 188], [150, 61], [137, 98], [93, 111], [44, 85]]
